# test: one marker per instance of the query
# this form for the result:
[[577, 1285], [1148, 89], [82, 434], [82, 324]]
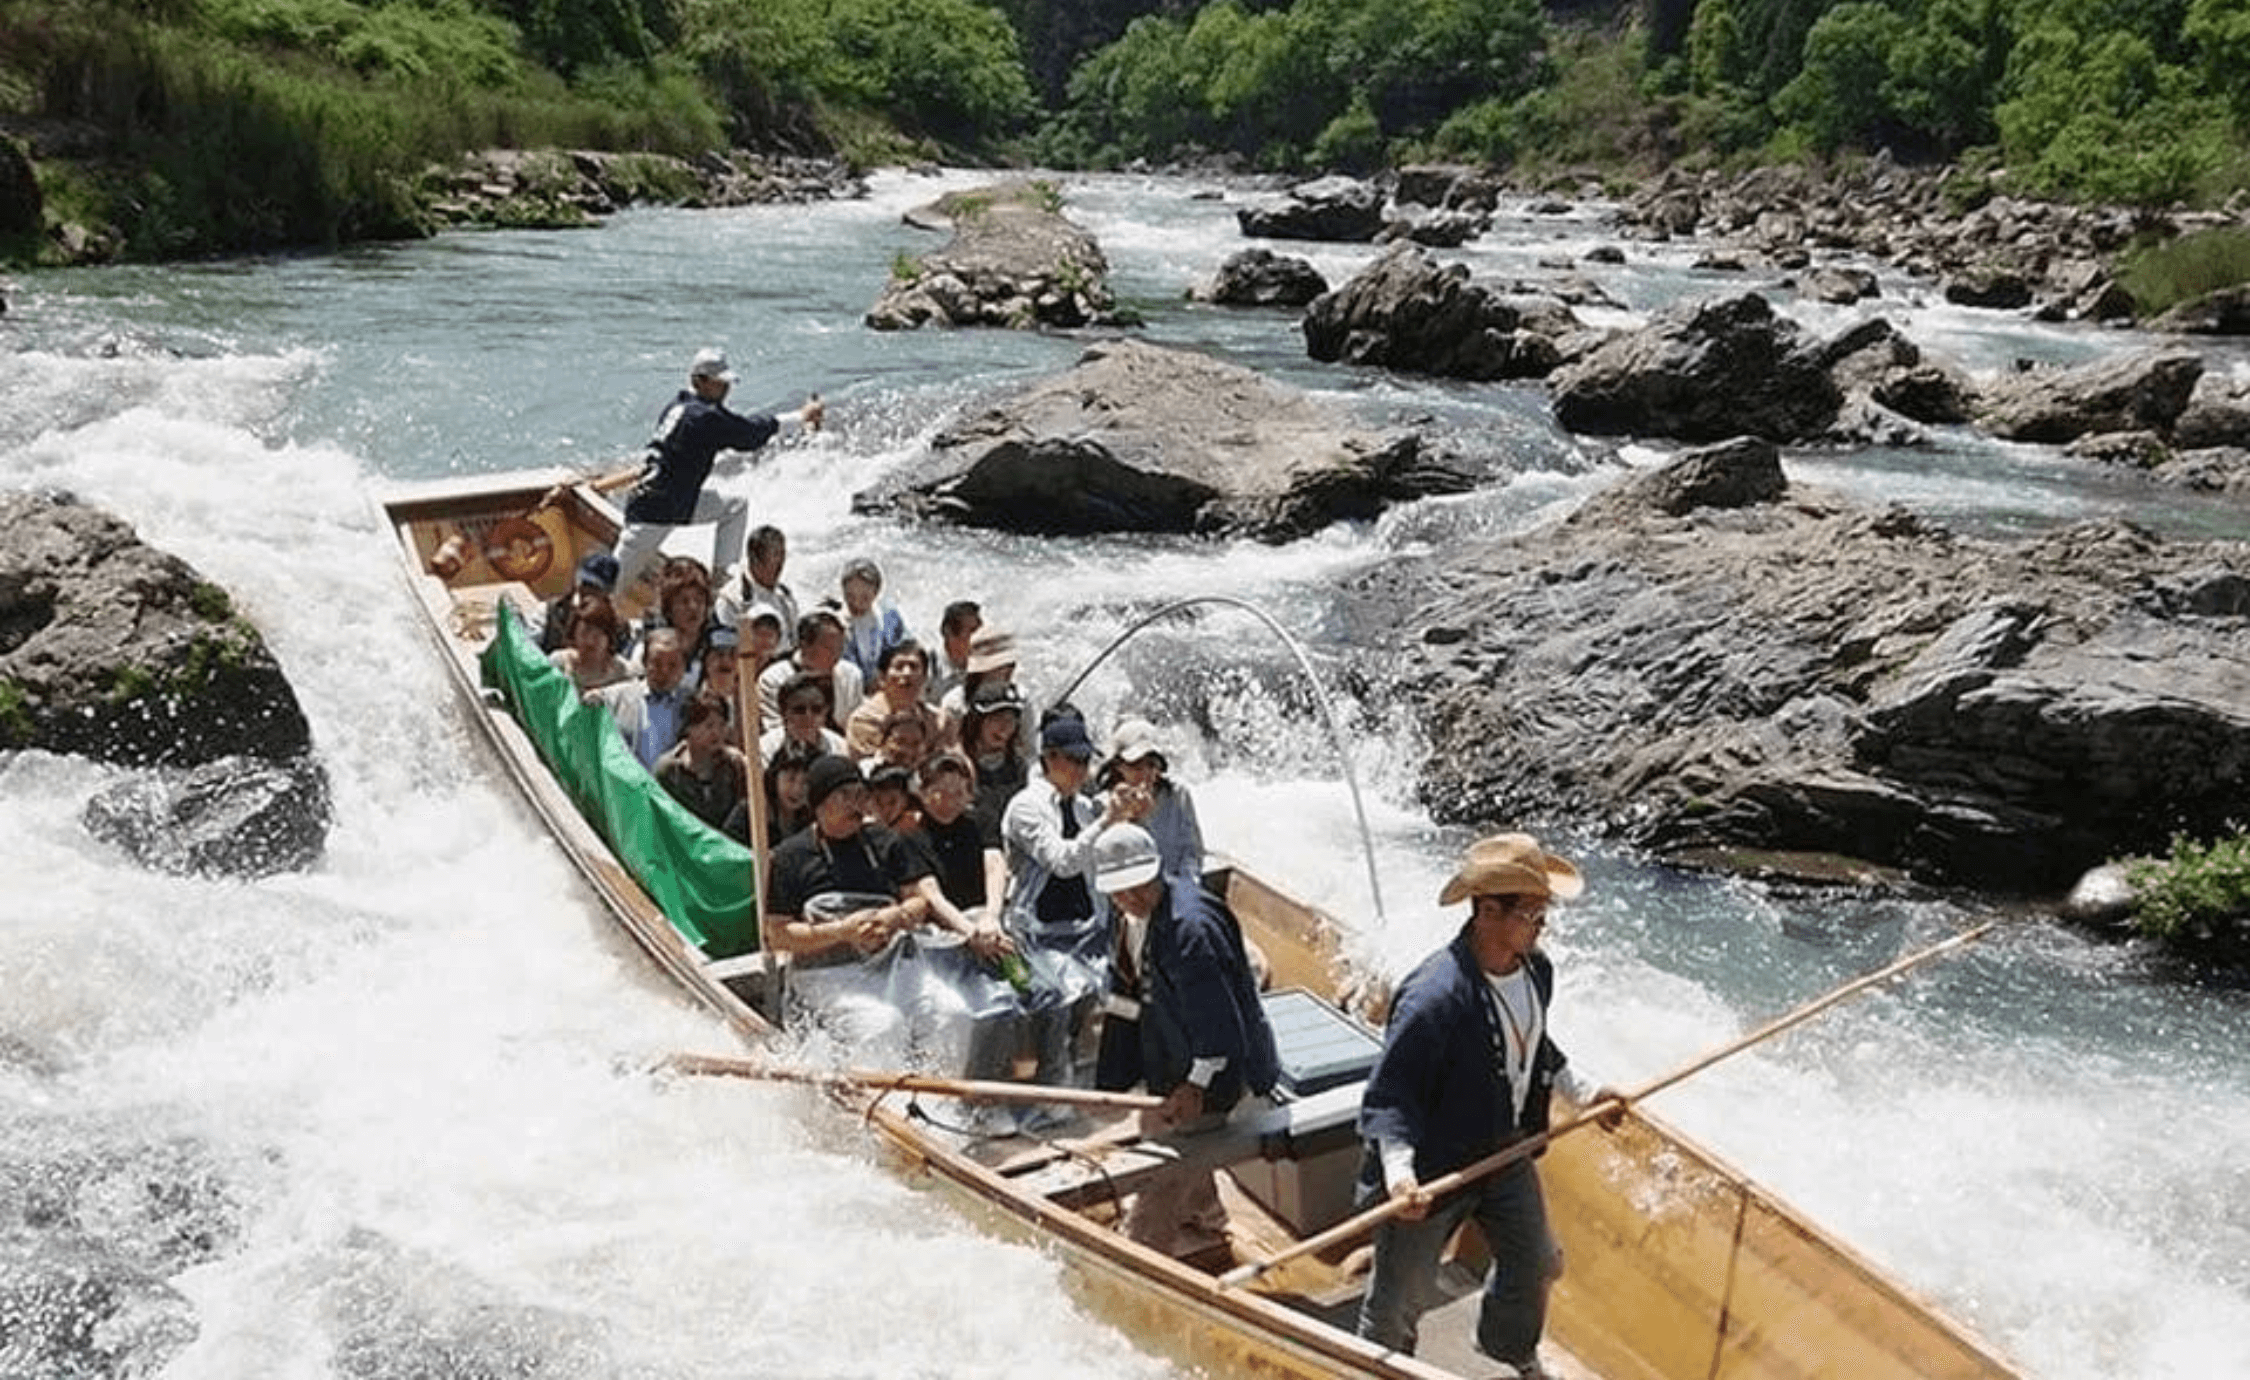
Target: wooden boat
[[1679, 1264]]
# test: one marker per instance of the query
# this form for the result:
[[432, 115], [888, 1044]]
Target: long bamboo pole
[[1352, 1228], [877, 1080]]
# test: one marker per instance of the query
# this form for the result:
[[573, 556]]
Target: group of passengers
[[900, 787]]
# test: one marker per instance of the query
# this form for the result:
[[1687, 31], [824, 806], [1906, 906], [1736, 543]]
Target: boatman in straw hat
[[667, 483], [1466, 1069]]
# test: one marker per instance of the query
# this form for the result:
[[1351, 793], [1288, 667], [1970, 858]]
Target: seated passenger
[[870, 629], [787, 809], [683, 604], [768, 637], [803, 719], [595, 585], [841, 853], [890, 797], [898, 691], [758, 581], [820, 652], [1136, 771], [992, 740], [721, 677], [703, 771], [957, 627], [648, 711], [992, 660], [591, 660]]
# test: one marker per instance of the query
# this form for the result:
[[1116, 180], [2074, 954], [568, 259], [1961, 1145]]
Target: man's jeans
[[1512, 1214]]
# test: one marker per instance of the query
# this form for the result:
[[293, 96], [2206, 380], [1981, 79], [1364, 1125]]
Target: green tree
[[1837, 96]]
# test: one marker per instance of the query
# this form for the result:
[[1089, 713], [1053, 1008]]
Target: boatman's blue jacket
[[689, 436]]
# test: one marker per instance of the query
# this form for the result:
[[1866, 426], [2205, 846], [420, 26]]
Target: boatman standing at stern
[[1466, 1069], [667, 484]]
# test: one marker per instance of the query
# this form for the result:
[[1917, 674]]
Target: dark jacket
[[1199, 999], [689, 436], [1436, 1085]]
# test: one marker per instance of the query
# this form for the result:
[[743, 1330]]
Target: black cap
[[827, 775]]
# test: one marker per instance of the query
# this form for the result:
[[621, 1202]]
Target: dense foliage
[[2199, 897], [231, 123]]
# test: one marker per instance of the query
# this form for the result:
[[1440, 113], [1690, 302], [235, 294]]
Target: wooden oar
[[1353, 1227], [876, 1080]]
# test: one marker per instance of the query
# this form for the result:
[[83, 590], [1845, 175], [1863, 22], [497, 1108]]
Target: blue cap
[[600, 571], [1067, 736]]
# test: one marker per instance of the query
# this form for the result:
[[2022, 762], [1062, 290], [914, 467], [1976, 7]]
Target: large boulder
[[2144, 391], [1405, 312], [113, 650], [1258, 277], [1700, 372], [1342, 209], [1138, 438], [1015, 261], [1803, 674]]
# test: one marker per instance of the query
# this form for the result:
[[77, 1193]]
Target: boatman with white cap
[[1467, 1068], [1184, 998], [667, 484]]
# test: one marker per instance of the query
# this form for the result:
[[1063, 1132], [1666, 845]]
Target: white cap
[[1125, 856], [711, 363]]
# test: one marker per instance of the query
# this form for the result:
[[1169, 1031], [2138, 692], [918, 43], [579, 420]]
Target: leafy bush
[[2199, 890], [2162, 276]]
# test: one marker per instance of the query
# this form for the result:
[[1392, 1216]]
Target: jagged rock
[[1142, 438], [1448, 187], [1701, 371], [1998, 289], [113, 650], [2147, 391], [1015, 261], [2217, 470], [2217, 414], [1731, 474], [1258, 277], [1810, 675], [1872, 360], [1337, 209], [2225, 312], [1405, 312], [1841, 286], [238, 816], [1436, 229]]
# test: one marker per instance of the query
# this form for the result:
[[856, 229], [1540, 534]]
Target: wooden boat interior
[[1677, 1264]]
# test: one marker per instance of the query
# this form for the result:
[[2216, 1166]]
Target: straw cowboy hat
[[1511, 865]]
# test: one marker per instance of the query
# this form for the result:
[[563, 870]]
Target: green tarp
[[699, 876]]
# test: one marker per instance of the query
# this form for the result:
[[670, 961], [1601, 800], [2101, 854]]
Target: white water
[[433, 1036]]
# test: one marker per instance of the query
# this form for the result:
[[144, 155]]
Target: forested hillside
[[190, 125]]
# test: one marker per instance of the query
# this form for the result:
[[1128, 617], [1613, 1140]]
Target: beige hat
[[990, 650], [1134, 739], [1511, 865]]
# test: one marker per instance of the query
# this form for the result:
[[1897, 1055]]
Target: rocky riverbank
[[1708, 657]]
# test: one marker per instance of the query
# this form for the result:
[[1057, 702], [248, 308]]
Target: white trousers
[[640, 545]]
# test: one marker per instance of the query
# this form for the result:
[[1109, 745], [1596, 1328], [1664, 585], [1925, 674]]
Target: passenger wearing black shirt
[[841, 853]]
